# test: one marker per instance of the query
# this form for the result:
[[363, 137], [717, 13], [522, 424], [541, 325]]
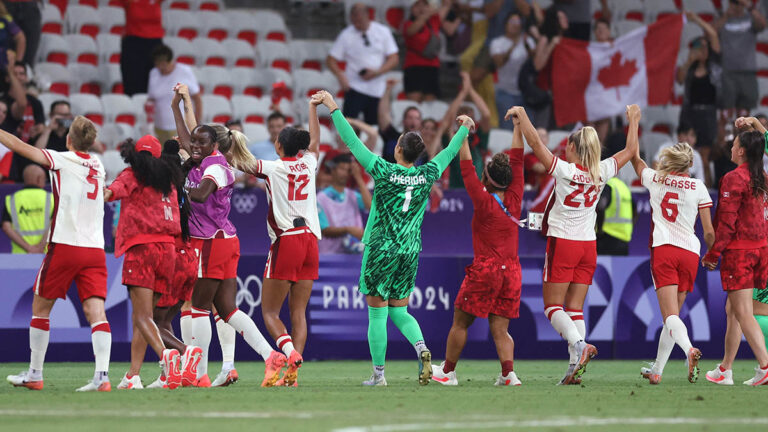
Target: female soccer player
[[740, 237], [75, 250], [569, 223], [393, 234], [676, 199], [492, 286], [210, 183]]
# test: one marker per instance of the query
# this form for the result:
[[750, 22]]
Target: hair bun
[[171, 146]]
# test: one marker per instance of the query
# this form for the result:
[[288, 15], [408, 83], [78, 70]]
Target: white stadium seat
[[216, 80], [109, 48], [183, 50], [239, 53], [86, 78], [217, 109], [210, 52], [83, 49], [46, 99], [255, 132], [499, 140], [112, 19], [111, 78], [118, 108], [83, 20], [87, 105], [53, 78], [51, 20], [250, 109], [215, 25], [275, 54], [53, 49]]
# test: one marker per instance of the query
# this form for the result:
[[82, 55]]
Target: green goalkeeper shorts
[[762, 320], [388, 275]]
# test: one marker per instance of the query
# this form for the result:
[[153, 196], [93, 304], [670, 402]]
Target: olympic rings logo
[[245, 202], [245, 294]]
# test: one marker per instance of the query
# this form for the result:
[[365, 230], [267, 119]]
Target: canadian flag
[[593, 80]]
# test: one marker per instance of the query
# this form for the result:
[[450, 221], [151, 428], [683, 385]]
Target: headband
[[490, 179]]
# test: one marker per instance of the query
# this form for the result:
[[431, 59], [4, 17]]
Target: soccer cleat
[[761, 377], [376, 381], [693, 364], [587, 353], [508, 380], [568, 373], [22, 380], [719, 377], [104, 386], [192, 357], [202, 382], [133, 383], [170, 363], [159, 383], [647, 373], [273, 365], [425, 367], [225, 378], [749, 381], [292, 373], [443, 378]]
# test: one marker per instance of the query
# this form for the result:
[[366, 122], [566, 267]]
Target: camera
[[65, 123]]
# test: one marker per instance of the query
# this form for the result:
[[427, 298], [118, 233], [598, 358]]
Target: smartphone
[[363, 72]]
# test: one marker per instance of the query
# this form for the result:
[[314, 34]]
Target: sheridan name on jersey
[[77, 182], [571, 209], [675, 204]]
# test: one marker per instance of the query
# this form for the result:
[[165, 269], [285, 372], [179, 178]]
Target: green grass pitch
[[330, 398]]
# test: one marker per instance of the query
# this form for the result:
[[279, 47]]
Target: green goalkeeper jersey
[[400, 194]]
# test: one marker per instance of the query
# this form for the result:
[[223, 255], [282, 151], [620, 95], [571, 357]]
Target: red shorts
[[146, 266], [491, 287], [87, 267], [671, 265], [184, 278], [218, 257], [293, 257], [570, 261], [744, 268]]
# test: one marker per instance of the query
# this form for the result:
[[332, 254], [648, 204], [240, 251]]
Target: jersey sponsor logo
[[677, 183], [244, 203], [407, 180]]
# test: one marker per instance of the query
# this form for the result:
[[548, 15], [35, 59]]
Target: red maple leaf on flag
[[618, 73]]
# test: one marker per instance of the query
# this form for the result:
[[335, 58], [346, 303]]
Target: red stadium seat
[[51, 27], [395, 17], [277, 35], [61, 4], [180, 4], [248, 36], [210, 5], [91, 3]]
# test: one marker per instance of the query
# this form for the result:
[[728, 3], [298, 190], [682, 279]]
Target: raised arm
[[190, 115], [314, 127], [484, 122], [385, 115], [347, 134], [446, 156], [632, 147], [709, 32], [749, 123], [531, 136], [371, 133], [182, 130], [17, 91], [23, 149]]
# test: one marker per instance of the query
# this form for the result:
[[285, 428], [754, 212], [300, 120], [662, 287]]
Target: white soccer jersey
[[675, 204], [77, 182], [571, 208], [290, 192]]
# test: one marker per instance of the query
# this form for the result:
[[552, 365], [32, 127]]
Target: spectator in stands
[[685, 133], [162, 79], [143, 33], [603, 30], [14, 94], [370, 51], [27, 214], [738, 28], [234, 124], [26, 14], [388, 132], [33, 121], [579, 13], [509, 52], [421, 71], [11, 38], [341, 209], [701, 76], [54, 136], [265, 150]]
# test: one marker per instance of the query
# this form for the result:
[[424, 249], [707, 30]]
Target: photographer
[[54, 137]]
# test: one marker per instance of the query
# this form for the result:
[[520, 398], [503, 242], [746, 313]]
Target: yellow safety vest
[[618, 215], [31, 210]]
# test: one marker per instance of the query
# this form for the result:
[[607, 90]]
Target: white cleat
[[103, 386], [225, 378], [23, 380], [718, 377], [508, 380], [134, 383], [376, 381], [761, 377], [749, 381], [159, 383], [448, 379]]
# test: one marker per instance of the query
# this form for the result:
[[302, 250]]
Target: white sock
[[39, 334], [201, 337], [666, 344], [185, 322], [244, 325], [378, 370], [101, 339], [419, 347], [577, 316], [285, 343], [226, 339], [679, 332], [563, 324]]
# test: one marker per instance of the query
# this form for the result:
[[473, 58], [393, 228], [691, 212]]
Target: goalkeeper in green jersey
[[393, 234]]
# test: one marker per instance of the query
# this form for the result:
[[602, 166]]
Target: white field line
[[556, 422], [157, 414]]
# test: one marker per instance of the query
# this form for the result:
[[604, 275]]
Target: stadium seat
[[216, 80], [83, 20], [51, 20], [182, 23], [139, 100], [393, 13], [555, 138], [53, 77], [217, 109], [118, 108], [109, 48], [215, 25], [286, 108], [90, 3], [210, 52], [255, 132], [111, 78], [622, 27], [183, 50], [89, 106], [270, 25], [242, 26], [113, 163], [275, 55], [86, 78], [310, 81], [83, 49], [112, 19], [239, 53], [211, 5], [46, 99], [112, 134], [180, 5], [499, 140], [252, 82], [655, 9], [53, 49], [704, 8], [309, 54], [650, 142], [282, 86], [631, 10], [250, 109], [662, 119], [398, 91], [434, 109], [762, 64], [398, 107], [61, 5]]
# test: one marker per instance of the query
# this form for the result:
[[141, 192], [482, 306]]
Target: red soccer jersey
[[146, 216], [144, 18], [494, 234], [740, 216]]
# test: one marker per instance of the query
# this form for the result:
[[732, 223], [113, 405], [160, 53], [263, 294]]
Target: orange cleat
[[170, 362], [22, 380], [274, 364], [192, 357], [693, 364], [225, 378], [292, 373], [203, 382]]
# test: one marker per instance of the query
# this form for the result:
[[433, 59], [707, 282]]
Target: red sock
[[129, 376], [764, 367], [721, 368], [507, 367], [449, 366]]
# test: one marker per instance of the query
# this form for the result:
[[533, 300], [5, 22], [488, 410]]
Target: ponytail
[[753, 143], [588, 148], [675, 159], [237, 142]]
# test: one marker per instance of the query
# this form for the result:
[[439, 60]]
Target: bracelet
[[337, 108]]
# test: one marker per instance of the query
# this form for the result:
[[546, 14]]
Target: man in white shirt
[[686, 133], [162, 79], [369, 51]]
